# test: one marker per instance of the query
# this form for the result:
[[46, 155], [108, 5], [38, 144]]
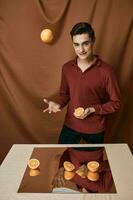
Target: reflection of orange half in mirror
[[93, 176], [79, 111], [33, 163], [34, 172], [93, 166], [68, 175], [68, 166]]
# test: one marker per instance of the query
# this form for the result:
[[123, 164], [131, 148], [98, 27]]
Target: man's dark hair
[[83, 27]]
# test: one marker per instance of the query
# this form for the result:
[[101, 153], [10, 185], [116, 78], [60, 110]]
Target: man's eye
[[76, 45], [86, 43]]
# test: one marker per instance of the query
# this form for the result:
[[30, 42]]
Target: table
[[15, 163]]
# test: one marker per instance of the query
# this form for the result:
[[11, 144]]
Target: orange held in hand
[[79, 111], [47, 35], [33, 163]]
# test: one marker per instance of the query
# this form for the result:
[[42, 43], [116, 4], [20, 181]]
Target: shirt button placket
[[82, 76]]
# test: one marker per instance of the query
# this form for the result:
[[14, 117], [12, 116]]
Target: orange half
[[68, 175], [68, 166], [33, 163], [93, 166], [79, 111], [93, 176]]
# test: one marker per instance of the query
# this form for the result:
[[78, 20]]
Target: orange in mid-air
[[47, 35]]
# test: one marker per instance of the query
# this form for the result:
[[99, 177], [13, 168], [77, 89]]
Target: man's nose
[[81, 49]]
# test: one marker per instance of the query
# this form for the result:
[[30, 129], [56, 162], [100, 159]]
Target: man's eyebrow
[[82, 42], [75, 43]]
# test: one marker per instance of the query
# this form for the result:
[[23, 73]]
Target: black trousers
[[70, 136]]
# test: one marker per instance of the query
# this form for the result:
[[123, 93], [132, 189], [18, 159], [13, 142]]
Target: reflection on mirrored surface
[[69, 170]]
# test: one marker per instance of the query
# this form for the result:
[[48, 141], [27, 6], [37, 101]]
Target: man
[[87, 82]]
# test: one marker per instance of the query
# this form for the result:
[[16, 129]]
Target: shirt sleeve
[[114, 97], [63, 97]]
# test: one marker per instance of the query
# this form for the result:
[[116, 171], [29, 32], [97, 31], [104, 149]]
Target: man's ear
[[93, 39]]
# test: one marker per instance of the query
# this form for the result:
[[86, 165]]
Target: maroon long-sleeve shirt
[[95, 87]]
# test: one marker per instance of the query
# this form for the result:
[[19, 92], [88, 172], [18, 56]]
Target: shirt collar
[[96, 63]]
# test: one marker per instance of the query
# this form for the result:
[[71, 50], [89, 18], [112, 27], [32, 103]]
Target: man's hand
[[52, 106], [86, 113], [59, 180]]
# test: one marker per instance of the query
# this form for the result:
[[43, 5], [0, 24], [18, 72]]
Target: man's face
[[83, 45]]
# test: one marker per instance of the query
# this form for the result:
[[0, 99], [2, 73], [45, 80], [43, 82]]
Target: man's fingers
[[56, 110], [78, 117], [46, 101], [61, 182], [45, 110], [87, 111], [51, 110], [54, 182]]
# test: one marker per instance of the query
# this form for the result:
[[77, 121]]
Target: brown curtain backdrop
[[31, 70]]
